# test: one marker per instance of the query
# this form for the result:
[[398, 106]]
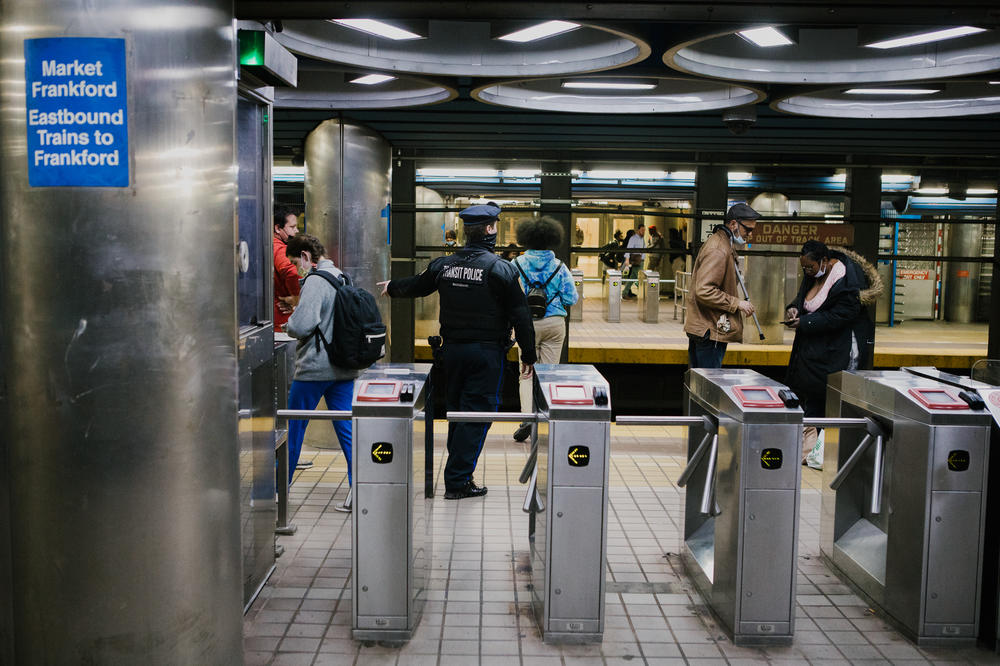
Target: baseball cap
[[741, 211]]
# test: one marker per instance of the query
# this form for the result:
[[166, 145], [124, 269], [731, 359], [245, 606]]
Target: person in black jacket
[[481, 300], [823, 315]]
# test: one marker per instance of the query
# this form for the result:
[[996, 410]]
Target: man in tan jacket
[[714, 309]]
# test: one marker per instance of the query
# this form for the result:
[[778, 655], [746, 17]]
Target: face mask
[[739, 240], [490, 239], [820, 273]]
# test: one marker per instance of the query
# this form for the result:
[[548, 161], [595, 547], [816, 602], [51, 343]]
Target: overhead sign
[[77, 112], [797, 233]]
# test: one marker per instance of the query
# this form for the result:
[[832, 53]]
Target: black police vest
[[470, 307]]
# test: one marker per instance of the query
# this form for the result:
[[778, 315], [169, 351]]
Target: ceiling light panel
[[598, 85], [540, 31], [373, 79], [765, 37], [926, 37], [377, 28], [892, 91]]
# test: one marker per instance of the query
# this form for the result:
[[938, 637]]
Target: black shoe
[[523, 432], [470, 490]]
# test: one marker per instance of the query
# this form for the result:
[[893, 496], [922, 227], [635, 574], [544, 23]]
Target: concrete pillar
[[119, 483], [961, 291], [864, 210]]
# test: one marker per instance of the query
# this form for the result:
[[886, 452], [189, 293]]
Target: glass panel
[[254, 271]]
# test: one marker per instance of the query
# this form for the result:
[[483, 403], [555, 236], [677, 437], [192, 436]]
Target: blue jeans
[[704, 353], [306, 395]]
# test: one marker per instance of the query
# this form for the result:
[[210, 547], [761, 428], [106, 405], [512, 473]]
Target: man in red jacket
[[286, 276]]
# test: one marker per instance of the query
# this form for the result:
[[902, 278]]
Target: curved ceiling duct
[[620, 94], [467, 48], [925, 100], [325, 87], [789, 54]]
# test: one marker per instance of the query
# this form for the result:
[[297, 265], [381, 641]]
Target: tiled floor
[[478, 611]]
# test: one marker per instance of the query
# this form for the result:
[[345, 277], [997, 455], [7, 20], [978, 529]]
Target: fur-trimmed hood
[[875, 287]]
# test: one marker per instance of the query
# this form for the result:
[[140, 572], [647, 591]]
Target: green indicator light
[[251, 47]]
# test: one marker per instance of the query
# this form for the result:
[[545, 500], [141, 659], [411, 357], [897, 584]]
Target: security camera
[[740, 119]]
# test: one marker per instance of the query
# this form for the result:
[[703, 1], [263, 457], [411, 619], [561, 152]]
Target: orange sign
[[797, 233], [963, 274], [912, 274]]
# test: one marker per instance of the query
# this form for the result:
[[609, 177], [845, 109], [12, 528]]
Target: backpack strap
[[559, 266], [336, 284], [523, 274]]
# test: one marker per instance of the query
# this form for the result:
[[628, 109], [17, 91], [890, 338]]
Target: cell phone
[[788, 321]]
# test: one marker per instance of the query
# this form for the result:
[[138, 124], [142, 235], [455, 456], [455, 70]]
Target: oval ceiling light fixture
[[830, 55], [322, 86], [623, 94], [950, 98], [499, 48]]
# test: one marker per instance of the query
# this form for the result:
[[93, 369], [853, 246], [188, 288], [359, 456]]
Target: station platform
[[941, 344], [479, 610]]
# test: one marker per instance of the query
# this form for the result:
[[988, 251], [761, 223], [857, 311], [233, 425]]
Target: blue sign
[[77, 105]]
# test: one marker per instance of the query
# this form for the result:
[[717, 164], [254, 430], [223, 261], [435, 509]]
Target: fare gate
[[741, 502], [568, 498], [904, 501], [391, 517], [576, 312], [649, 296], [612, 296]]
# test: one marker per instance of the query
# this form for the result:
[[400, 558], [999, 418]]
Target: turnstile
[[612, 296], [904, 501], [391, 519], [576, 311], [649, 296], [569, 548], [741, 507]]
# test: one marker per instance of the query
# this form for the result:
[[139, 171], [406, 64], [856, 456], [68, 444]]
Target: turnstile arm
[[835, 422], [699, 453], [852, 461], [492, 417], [708, 493], [662, 420], [316, 414], [876, 503]]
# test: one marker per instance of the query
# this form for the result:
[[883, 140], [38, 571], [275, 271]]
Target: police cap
[[741, 211], [480, 213]]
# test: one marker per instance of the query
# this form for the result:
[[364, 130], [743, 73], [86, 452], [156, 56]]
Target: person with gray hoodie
[[315, 376]]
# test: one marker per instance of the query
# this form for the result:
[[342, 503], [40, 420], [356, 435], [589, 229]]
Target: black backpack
[[358, 331], [537, 303]]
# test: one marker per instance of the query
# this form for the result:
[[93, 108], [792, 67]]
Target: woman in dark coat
[[823, 315]]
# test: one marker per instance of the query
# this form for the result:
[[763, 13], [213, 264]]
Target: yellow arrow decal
[[377, 452]]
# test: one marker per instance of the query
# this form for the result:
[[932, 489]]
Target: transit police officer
[[481, 300]]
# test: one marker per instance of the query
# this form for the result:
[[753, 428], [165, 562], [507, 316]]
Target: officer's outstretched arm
[[421, 284], [516, 307]]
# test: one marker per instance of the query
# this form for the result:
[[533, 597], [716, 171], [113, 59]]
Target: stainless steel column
[[347, 198], [649, 296], [961, 291], [119, 305], [612, 296], [576, 311]]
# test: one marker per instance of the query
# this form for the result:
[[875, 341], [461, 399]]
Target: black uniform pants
[[473, 373]]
